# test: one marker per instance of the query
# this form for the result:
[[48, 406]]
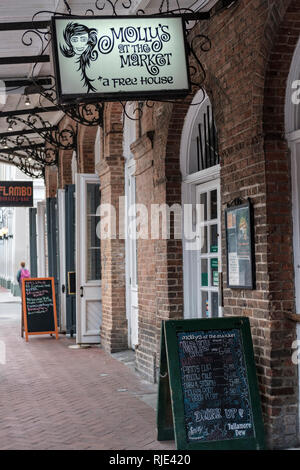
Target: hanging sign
[[39, 306], [208, 392], [16, 194], [120, 57], [239, 241]]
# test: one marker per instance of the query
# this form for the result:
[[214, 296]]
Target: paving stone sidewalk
[[53, 397]]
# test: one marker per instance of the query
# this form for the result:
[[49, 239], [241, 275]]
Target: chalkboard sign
[[240, 248], [39, 306], [208, 364]]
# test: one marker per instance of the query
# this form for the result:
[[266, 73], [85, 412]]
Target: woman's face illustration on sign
[[80, 42]]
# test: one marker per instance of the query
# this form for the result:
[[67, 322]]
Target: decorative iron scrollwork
[[25, 148], [65, 139], [30, 168]]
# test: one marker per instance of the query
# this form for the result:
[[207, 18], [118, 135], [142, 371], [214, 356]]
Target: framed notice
[[240, 246], [71, 282], [208, 394], [39, 306], [114, 58]]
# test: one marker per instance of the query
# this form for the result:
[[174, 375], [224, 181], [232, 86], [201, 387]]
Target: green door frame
[[53, 249]]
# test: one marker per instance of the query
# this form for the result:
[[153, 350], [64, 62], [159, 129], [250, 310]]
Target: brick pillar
[[51, 183], [158, 181], [114, 332], [65, 168], [86, 148], [142, 150]]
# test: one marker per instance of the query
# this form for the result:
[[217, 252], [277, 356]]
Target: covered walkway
[[56, 397]]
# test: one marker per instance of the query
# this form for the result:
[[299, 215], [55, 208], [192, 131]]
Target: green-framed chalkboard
[[208, 391], [240, 245]]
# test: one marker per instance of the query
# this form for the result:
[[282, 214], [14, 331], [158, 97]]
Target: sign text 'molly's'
[[132, 57], [16, 193]]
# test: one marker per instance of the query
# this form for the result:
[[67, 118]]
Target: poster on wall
[[120, 57], [239, 243]]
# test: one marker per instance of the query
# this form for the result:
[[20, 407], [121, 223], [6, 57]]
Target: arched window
[[199, 144], [292, 106], [199, 162], [98, 147], [74, 166], [129, 135], [203, 151]]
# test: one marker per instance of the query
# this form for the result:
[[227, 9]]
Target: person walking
[[23, 273]]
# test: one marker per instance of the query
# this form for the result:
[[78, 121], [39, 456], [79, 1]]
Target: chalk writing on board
[[215, 387], [38, 297]]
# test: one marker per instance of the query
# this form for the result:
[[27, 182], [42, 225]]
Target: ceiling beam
[[12, 150], [27, 131], [22, 26], [29, 59], [22, 82], [20, 112]]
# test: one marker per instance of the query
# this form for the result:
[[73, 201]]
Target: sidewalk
[[7, 297], [56, 397]]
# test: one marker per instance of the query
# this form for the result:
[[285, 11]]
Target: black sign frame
[[248, 208], [170, 377], [17, 199], [25, 313], [121, 96]]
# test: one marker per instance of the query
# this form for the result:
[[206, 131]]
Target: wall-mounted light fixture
[[27, 101]]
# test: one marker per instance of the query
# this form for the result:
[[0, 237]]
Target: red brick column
[[158, 181], [65, 168], [51, 180], [114, 333], [86, 148], [65, 156]]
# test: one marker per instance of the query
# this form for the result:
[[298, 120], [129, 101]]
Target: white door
[[131, 257], [209, 252], [41, 239], [88, 260], [62, 258]]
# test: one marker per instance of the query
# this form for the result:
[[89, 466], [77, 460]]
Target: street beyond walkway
[[55, 397]]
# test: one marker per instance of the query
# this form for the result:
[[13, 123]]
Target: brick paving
[[53, 397]]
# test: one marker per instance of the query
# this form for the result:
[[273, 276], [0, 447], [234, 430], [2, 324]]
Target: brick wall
[[279, 375]]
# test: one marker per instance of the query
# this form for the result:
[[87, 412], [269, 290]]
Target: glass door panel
[[208, 256]]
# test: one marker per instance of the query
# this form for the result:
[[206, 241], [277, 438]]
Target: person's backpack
[[25, 274]]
